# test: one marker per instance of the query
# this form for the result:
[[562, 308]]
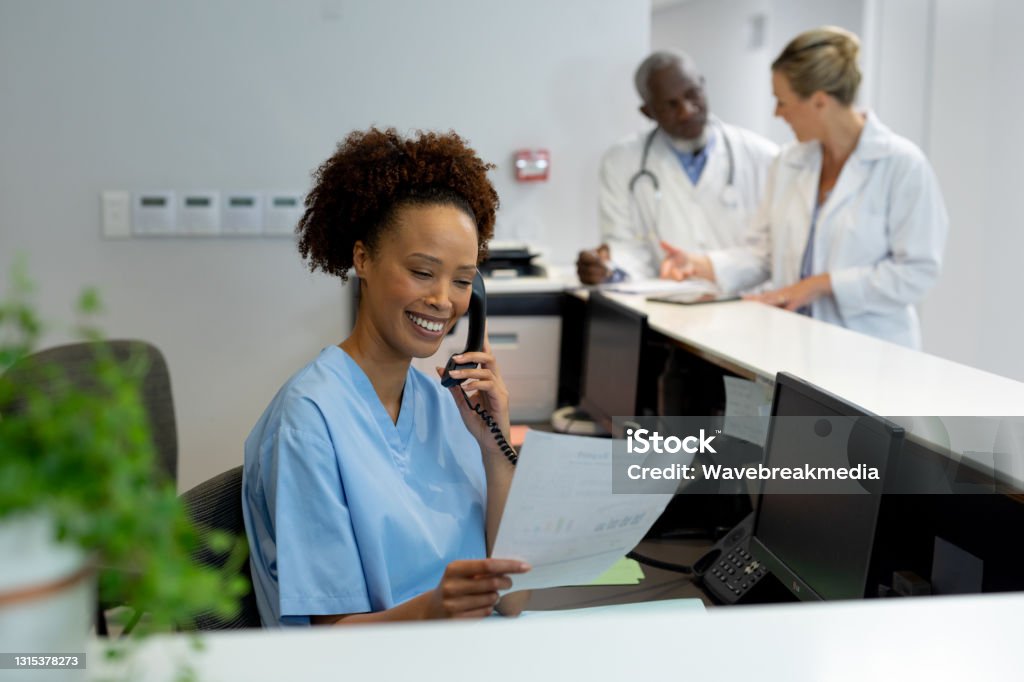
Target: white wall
[[960, 126], [900, 65], [249, 94], [1002, 330], [976, 141], [947, 79]]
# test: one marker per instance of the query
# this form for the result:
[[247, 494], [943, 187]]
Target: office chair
[[216, 504], [77, 360]]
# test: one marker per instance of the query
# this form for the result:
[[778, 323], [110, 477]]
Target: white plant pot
[[47, 595]]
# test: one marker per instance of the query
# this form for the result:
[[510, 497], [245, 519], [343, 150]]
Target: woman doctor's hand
[[487, 390], [679, 265], [797, 295]]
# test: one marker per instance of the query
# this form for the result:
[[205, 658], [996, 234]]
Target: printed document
[[562, 517], [748, 405]]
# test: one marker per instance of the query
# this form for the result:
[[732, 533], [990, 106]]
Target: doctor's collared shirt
[[693, 162], [347, 511]]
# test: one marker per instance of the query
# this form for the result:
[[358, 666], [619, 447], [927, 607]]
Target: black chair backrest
[[216, 504], [77, 361]]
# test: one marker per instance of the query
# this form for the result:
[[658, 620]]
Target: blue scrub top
[[347, 511]]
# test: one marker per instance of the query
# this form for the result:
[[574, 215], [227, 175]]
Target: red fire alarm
[[532, 165]]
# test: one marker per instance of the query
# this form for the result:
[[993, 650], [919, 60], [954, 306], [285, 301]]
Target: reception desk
[[947, 638], [757, 341]]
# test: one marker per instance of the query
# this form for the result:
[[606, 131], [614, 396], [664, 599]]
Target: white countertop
[[934, 638], [880, 376]]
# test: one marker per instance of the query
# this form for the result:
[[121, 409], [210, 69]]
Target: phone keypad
[[738, 571]]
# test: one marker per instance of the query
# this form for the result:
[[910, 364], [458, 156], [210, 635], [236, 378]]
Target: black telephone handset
[[475, 339], [475, 342]]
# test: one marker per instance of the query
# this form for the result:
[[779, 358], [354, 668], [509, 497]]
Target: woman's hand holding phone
[[489, 393]]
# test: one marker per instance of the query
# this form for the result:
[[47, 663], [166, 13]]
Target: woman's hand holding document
[[561, 515]]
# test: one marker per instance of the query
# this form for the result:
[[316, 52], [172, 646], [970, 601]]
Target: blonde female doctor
[[853, 226]]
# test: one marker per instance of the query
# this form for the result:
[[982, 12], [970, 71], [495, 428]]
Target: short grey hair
[[657, 61]]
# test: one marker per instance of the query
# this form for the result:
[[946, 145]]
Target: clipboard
[[693, 298]]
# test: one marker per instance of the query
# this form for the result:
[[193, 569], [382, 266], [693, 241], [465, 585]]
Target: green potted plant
[[82, 505]]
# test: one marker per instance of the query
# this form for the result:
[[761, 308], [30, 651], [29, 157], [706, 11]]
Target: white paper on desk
[[561, 515], [747, 406], [653, 287]]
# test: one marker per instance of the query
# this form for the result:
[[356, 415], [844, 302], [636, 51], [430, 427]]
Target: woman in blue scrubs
[[370, 492]]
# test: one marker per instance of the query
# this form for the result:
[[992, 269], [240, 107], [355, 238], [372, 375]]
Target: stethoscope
[[729, 197]]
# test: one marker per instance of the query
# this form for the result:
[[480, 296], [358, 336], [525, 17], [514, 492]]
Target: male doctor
[[693, 182]]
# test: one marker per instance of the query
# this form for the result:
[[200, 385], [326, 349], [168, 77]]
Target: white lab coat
[[880, 234], [689, 217]]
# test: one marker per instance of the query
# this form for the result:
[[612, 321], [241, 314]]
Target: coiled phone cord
[[499, 438]]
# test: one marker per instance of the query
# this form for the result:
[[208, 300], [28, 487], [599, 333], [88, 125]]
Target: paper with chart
[[748, 405], [561, 515]]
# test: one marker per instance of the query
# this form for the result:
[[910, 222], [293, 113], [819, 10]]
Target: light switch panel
[[199, 213], [282, 212], [153, 213], [242, 213], [116, 214]]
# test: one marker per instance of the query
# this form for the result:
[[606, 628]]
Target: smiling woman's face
[[418, 283], [799, 112]]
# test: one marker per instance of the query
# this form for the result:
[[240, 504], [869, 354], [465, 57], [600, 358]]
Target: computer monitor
[[614, 340], [819, 544]]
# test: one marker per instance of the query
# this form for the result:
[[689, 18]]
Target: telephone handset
[[475, 342], [475, 339]]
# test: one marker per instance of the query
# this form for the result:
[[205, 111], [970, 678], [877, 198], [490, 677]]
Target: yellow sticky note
[[623, 572]]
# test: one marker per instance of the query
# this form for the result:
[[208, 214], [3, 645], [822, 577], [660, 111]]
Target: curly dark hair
[[373, 173]]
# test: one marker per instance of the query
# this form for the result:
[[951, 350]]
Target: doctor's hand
[[679, 265], [797, 295], [485, 389], [469, 588], [592, 266]]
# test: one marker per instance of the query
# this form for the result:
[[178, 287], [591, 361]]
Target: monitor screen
[[611, 359], [819, 544]]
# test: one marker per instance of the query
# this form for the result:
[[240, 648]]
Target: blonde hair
[[822, 59]]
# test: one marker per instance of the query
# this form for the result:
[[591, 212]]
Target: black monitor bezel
[[587, 403], [783, 380]]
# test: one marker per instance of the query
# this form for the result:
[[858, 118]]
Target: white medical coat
[[880, 234], [688, 216]]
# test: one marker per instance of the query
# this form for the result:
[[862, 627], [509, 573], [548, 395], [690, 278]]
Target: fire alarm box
[[532, 165]]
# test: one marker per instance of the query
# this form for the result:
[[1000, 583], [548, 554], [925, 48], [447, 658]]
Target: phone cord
[[657, 563], [506, 449]]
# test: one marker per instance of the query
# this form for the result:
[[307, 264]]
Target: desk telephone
[[728, 570], [474, 343]]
